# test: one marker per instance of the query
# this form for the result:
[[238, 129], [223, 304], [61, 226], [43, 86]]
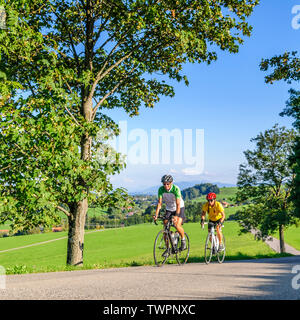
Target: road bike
[[167, 245], [212, 246]]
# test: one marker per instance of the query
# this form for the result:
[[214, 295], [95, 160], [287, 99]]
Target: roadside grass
[[123, 247], [291, 236]]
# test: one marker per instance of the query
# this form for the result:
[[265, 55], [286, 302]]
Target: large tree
[[265, 182], [287, 67], [76, 59]]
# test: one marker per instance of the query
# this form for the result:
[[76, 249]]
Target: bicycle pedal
[[166, 254]]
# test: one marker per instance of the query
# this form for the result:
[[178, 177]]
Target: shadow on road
[[277, 283]]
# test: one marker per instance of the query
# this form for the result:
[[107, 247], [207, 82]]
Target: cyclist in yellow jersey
[[216, 215]]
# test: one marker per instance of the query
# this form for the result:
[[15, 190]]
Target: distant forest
[[198, 190]]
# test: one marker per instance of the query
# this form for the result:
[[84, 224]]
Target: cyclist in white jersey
[[171, 195]]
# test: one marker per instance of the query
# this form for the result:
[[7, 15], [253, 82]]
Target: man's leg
[[210, 225], [219, 235], [178, 226]]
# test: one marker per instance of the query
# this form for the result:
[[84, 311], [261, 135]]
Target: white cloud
[[191, 171]]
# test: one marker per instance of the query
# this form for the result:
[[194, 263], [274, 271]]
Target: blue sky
[[228, 100]]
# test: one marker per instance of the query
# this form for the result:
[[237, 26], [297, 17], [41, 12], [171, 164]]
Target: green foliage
[[266, 180], [17, 269], [193, 211], [287, 67], [198, 190], [63, 63]]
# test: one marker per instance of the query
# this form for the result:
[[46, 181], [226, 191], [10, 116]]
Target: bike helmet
[[211, 196], [167, 178]]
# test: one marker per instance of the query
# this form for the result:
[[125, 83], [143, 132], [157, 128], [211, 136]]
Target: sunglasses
[[211, 200], [166, 184]]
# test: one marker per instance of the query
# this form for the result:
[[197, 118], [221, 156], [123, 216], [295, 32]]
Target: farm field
[[130, 246]]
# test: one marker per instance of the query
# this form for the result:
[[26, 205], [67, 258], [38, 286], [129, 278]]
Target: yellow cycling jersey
[[215, 212]]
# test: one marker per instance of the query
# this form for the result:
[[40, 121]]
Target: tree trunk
[[78, 215], [76, 233], [79, 210], [281, 238]]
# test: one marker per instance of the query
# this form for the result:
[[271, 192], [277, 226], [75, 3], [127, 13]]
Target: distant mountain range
[[182, 185]]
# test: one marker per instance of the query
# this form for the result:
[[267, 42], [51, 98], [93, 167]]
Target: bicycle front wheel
[[160, 250], [183, 255], [221, 253], [208, 250]]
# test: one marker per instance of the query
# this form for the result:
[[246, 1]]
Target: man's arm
[[221, 208], [159, 204], [203, 216], [223, 216]]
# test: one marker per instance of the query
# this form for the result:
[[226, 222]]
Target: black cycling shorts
[[213, 224], [173, 213]]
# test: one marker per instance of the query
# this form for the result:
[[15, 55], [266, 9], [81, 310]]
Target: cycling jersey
[[169, 197], [215, 212]]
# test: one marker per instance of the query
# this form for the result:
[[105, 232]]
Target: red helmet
[[211, 195]]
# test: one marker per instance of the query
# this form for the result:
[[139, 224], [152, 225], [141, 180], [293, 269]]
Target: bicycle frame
[[213, 248], [214, 240], [172, 244], [168, 232]]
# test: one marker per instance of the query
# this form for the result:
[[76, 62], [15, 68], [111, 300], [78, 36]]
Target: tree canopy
[[287, 67], [63, 63], [265, 181], [199, 190]]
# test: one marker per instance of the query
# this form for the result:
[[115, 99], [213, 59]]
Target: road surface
[[249, 279]]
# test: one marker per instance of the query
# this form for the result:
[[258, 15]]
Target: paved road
[[249, 279]]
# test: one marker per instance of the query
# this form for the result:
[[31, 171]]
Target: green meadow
[[130, 246]]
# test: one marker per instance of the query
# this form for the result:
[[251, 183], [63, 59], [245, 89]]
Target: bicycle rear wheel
[[160, 249], [182, 256], [221, 254], [208, 250]]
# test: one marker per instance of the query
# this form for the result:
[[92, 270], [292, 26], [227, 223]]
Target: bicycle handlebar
[[158, 217], [163, 218], [202, 224]]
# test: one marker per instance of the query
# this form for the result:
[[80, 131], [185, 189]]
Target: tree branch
[[70, 37], [112, 91], [63, 210], [2, 169], [72, 116]]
